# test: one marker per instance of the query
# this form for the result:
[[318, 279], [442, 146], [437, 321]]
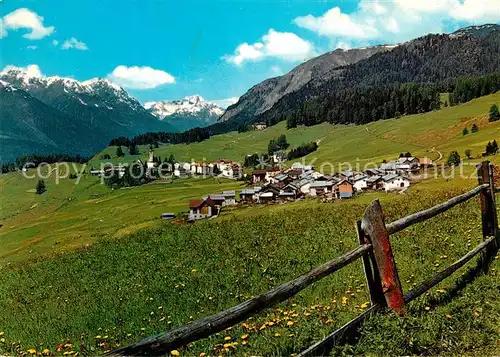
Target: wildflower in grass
[[244, 343], [277, 334], [31, 351], [2, 339], [262, 327], [244, 337], [448, 316], [364, 305], [46, 352], [344, 300], [2, 333], [193, 270], [290, 323], [329, 321], [307, 314], [175, 353], [203, 354], [143, 329], [427, 308], [476, 314], [98, 337], [163, 318], [227, 338]]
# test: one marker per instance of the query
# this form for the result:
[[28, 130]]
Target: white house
[[151, 164], [394, 182], [229, 198], [320, 187], [360, 182], [199, 209]]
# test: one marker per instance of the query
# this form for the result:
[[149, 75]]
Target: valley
[[89, 264]]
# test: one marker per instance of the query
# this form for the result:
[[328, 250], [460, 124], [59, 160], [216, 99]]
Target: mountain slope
[[98, 109], [264, 95], [190, 112], [27, 125], [435, 59]]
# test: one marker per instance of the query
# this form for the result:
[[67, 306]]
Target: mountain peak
[[478, 31]]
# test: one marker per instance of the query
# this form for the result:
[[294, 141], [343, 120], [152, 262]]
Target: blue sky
[[218, 49]]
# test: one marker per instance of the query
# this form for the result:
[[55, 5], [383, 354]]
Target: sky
[[166, 49]]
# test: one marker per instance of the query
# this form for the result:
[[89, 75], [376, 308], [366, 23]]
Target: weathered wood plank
[[164, 343], [320, 348], [371, 272], [374, 228], [426, 285], [400, 224], [488, 209]]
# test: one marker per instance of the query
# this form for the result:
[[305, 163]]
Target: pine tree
[[494, 113], [133, 149], [474, 128], [119, 151], [454, 159], [465, 131], [40, 187], [494, 147]]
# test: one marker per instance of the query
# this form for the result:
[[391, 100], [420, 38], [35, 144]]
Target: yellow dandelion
[[277, 334], [448, 316], [31, 351], [203, 354], [175, 353], [328, 321], [244, 337], [98, 337], [244, 343], [45, 352], [290, 323], [427, 308], [476, 314], [227, 345], [307, 314], [2, 333], [227, 338], [262, 327], [344, 300]]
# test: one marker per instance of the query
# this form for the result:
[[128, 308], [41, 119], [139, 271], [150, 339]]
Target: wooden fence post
[[487, 197], [374, 228], [371, 271]]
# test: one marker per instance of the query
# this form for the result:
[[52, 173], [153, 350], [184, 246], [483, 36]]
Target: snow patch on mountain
[[191, 106]]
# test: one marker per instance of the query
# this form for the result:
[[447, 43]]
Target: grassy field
[[71, 215], [90, 269], [114, 293], [422, 135]]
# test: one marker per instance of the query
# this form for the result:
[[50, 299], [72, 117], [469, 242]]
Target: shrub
[[454, 159]]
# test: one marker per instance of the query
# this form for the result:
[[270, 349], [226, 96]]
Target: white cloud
[[26, 19], [393, 21], [55, 42], [31, 47], [283, 45], [73, 43], [31, 70], [336, 23], [136, 77], [477, 11], [224, 103], [3, 30]]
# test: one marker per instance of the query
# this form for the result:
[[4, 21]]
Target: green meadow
[[86, 269], [422, 135]]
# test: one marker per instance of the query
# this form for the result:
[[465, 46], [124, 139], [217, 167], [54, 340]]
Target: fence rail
[[379, 266]]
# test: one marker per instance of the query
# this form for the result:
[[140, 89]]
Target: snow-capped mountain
[[192, 105], [104, 109], [192, 111], [482, 30]]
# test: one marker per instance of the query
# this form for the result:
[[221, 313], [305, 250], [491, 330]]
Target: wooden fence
[[379, 266]]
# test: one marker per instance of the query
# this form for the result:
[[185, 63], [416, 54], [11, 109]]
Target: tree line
[[150, 138], [36, 159], [468, 88]]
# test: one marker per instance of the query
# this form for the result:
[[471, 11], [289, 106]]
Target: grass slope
[[440, 130], [115, 293]]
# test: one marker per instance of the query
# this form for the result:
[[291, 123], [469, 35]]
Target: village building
[[151, 164], [302, 167], [217, 198], [394, 182], [343, 189], [259, 176], [247, 195], [168, 216], [426, 163], [199, 209], [180, 171], [318, 188], [374, 182], [360, 182], [259, 126], [229, 198], [268, 193]]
